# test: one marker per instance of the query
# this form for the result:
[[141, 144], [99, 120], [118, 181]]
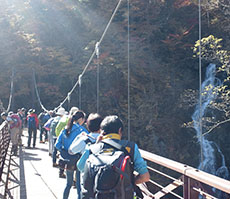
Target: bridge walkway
[[32, 175]]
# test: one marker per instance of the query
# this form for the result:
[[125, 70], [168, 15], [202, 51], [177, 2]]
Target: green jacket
[[61, 125]]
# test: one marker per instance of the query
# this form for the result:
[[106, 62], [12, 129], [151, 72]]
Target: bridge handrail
[[209, 179], [3, 125], [4, 144]]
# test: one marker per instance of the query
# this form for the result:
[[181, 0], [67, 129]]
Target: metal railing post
[[186, 187]]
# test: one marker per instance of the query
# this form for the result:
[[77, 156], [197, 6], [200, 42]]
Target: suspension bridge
[[31, 175]]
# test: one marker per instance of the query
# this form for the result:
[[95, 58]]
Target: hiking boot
[[55, 164], [62, 175]]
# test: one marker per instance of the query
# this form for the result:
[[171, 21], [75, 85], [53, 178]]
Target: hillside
[[56, 38]]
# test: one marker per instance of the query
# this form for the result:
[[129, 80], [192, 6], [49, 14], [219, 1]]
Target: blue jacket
[[140, 165], [64, 141]]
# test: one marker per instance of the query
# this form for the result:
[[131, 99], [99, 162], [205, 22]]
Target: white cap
[[61, 111], [73, 110]]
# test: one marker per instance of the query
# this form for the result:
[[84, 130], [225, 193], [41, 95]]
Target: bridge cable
[[97, 50], [69, 99], [87, 65], [200, 89], [93, 54], [37, 93], [128, 51], [11, 90], [80, 83]]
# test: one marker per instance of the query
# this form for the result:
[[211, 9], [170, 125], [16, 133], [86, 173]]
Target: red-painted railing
[[191, 183]]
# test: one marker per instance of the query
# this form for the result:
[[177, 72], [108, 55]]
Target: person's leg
[[51, 144], [54, 155], [69, 180], [13, 137], [34, 137], [41, 133], [78, 184], [17, 131], [62, 165], [29, 137], [20, 136], [46, 134]]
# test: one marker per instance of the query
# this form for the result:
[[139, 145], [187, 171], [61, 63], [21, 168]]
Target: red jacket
[[35, 116]]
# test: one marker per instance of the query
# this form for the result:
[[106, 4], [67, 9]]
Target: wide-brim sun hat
[[60, 111]]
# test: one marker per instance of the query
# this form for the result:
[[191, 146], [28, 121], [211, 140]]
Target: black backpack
[[108, 173]]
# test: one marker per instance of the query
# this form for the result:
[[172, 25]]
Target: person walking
[[20, 114], [59, 128], [64, 140], [32, 121], [15, 125], [43, 117], [111, 132], [52, 134], [24, 121], [81, 141]]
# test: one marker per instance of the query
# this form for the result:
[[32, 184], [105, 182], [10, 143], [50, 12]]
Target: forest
[[151, 49]]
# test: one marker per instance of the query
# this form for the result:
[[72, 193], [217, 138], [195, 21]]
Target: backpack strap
[[115, 145], [88, 141], [132, 149]]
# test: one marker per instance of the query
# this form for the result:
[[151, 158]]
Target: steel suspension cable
[[128, 51], [11, 90], [80, 82], [200, 90], [98, 75], [37, 93], [94, 52]]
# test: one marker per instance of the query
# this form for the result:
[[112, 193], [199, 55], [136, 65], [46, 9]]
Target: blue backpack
[[31, 122]]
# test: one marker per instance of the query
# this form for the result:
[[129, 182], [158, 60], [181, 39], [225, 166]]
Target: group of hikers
[[89, 151]]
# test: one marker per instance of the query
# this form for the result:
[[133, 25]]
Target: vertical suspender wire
[[200, 91], [128, 51], [98, 75], [79, 80], [94, 52], [11, 91], [69, 98]]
